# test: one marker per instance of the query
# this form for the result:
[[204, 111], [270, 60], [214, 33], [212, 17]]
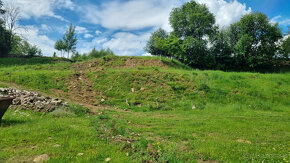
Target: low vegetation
[[163, 110]]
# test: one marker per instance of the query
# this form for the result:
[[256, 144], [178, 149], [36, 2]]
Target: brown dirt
[[135, 62], [129, 62], [81, 89]]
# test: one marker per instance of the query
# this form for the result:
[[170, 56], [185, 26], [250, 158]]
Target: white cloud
[[285, 22], [140, 14], [87, 35], [280, 20], [33, 35], [225, 12], [81, 30], [130, 15], [85, 46], [45, 27], [98, 32], [39, 8], [127, 44]]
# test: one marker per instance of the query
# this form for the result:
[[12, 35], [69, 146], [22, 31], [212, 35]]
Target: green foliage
[[192, 23], [70, 40], [155, 39], [286, 47], [192, 20], [60, 46], [22, 47], [221, 51], [92, 55], [255, 42], [5, 36], [5, 41], [248, 45]]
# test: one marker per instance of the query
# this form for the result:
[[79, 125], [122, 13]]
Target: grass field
[[163, 110]]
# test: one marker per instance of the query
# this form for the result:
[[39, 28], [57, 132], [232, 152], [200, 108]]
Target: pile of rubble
[[32, 100]]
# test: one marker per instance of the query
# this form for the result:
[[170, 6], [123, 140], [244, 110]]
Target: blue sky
[[124, 25]]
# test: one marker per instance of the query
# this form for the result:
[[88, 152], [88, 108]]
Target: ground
[[147, 110]]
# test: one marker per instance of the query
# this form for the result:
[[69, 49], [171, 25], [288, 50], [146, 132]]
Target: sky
[[124, 26]]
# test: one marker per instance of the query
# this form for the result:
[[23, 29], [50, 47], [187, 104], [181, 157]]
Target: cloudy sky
[[124, 25]]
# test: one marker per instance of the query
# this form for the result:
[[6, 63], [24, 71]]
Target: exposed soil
[[135, 62], [129, 62], [81, 89]]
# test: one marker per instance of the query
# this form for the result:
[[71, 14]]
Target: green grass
[[182, 115], [25, 135]]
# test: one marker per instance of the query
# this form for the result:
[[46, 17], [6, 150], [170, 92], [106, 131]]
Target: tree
[[11, 16], [286, 47], [254, 40], [192, 20], [156, 36], [30, 50], [60, 46], [70, 40], [5, 36], [221, 50], [193, 23]]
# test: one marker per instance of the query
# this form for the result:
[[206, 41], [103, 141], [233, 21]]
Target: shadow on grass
[[11, 122]]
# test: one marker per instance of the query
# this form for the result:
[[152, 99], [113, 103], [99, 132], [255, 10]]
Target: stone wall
[[32, 100]]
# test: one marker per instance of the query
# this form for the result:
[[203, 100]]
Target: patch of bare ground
[[129, 62], [80, 89], [136, 62], [206, 161]]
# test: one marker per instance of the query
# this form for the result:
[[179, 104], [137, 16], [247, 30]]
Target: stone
[[41, 158], [56, 146], [32, 100], [80, 154]]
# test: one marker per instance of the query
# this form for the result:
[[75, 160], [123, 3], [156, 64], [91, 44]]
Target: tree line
[[68, 44], [252, 44]]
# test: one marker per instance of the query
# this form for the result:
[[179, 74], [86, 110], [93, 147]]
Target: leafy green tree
[[192, 20], [76, 57], [5, 36], [70, 40], [60, 46], [254, 40], [193, 23], [156, 37], [286, 47], [30, 50], [98, 54], [221, 50]]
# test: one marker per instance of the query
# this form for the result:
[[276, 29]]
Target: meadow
[[146, 109]]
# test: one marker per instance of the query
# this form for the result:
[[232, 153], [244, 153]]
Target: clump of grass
[[62, 112]]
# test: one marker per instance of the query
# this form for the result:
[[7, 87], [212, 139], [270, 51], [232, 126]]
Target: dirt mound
[[136, 62], [119, 62]]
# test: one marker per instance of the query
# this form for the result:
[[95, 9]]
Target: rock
[[56, 102], [56, 146], [41, 158], [80, 154], [108, 159], [32, 100]]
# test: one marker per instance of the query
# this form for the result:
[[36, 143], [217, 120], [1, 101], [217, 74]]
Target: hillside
[[180, 113]]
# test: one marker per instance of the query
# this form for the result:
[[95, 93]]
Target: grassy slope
[[238, 116]]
